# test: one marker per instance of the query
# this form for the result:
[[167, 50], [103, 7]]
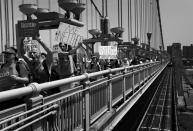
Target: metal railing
[[75, 108]]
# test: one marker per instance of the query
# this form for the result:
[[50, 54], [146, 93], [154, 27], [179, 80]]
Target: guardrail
[[75, 108]]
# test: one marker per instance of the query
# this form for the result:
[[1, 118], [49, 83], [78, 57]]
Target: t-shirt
[[41, 75], [66, 67], [6, 82]]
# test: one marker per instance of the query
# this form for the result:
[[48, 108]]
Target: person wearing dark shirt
[[12, 74], [40, 68]]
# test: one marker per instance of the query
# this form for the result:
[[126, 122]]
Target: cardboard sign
[[108, 52], [28, 28], [68, 34], [32, 46]]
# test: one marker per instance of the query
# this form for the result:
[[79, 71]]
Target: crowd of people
[[35, 66]]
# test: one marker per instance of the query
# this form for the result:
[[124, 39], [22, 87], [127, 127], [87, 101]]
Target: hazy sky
[[177, 21]]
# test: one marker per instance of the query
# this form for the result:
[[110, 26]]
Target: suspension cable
[[6, 31], [96, 19], [23, 14], [130, 10], [137, 18], [135, 4], [121, 13], [118, 13], [13, 31], [1, 26], [50, 31], [129, 33], [141, 19], [97, 8], [8, 36], [103, 8], [91, 15], [87, 17], [106, 8]]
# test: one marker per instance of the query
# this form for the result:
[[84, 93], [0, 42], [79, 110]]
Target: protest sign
[[108, 52], [69, 34], [28, 28], [31, 46]]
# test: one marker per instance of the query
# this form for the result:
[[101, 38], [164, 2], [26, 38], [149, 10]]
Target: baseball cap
[[9, 51]]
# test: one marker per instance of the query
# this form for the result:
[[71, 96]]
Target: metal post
[[110, 91], [35, 101], [139, 78], [133, 80], [124, 84], [86, 105], [149, 39]]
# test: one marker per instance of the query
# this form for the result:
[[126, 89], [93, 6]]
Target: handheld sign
[[69, 34], [108, 52], [28, 28]]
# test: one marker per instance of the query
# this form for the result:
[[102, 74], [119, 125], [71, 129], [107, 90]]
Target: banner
[[108, 52], [68, 34]]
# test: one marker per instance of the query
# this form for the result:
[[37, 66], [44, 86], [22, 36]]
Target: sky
[[177, 21]]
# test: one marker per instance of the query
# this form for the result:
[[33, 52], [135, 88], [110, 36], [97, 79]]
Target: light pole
[[149, 39]]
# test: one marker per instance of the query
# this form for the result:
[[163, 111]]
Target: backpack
[[21, 61]]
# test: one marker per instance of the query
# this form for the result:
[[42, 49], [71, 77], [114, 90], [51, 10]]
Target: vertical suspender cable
[[103, 8], [152, 13], [8, 36], [129, 34], [135, 4], [13, 27], [106, 8], [141, 19], [154, 21], [145, 30], [87, 17], [130, 13], [149, 20], [50, 31], [121, 13], [22, 14], [1, 26], [137, 18], [118, 13], [6, 33], [144, 21], [91, 15]]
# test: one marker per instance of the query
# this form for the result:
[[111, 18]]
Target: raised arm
[[22, 51], [73, 51], [49, 58], [44, 45]]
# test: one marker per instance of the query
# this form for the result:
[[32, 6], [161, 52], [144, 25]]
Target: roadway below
[[154, 109]]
